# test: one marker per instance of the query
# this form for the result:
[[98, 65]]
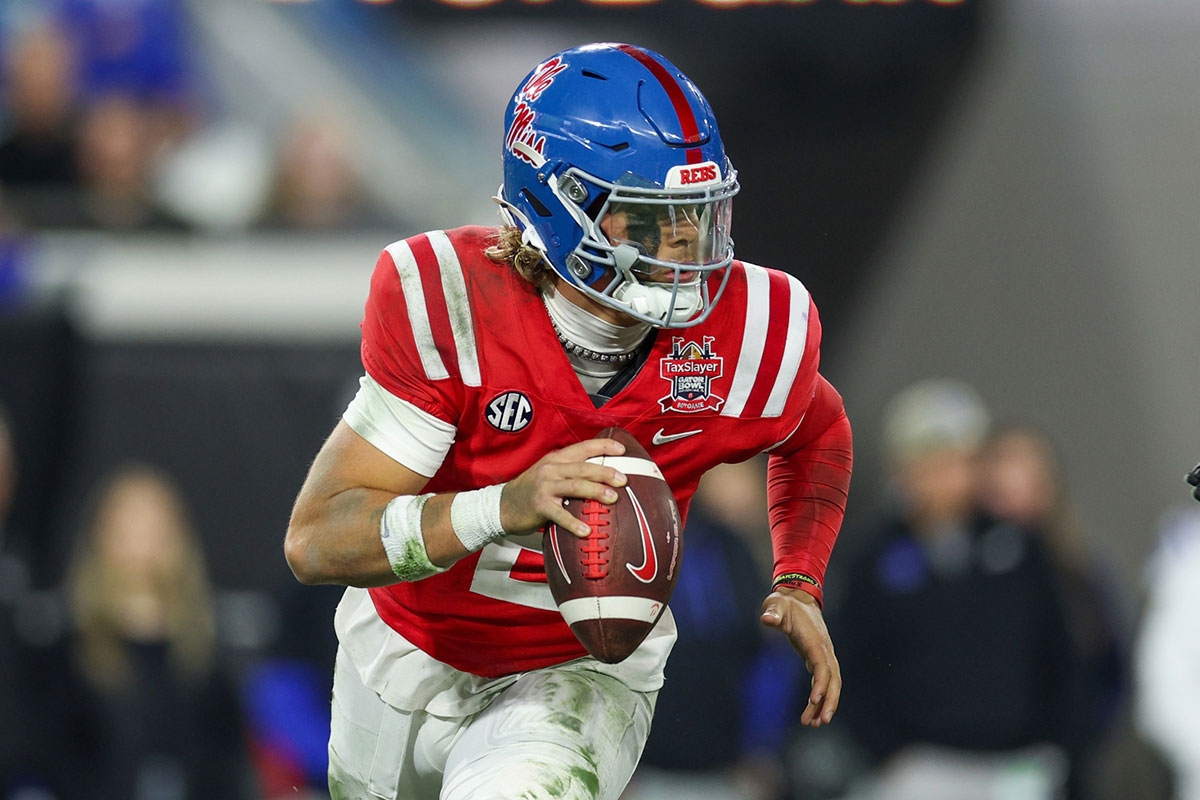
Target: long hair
[[527, 260], [97, 585]]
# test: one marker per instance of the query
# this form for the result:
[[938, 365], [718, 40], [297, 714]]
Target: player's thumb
[[772, 616]]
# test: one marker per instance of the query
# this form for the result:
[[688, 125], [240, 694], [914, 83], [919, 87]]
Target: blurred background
[[999, 196]]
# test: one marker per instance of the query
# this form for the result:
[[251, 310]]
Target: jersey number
[[512, 573]]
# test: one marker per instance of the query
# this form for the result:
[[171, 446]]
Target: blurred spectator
[[37, 150], [952, 636], [38, 166], [316, 186], [734, 496], [1023, 483], [95, 93], [138, 48], [116, 160], [1167, 653], [153, 716], [731, 693]]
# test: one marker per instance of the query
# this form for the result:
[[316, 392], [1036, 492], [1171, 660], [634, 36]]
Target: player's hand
[[797, 614], [536, 496]]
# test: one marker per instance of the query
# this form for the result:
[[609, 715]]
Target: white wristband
[[475, 517], [403, 540]]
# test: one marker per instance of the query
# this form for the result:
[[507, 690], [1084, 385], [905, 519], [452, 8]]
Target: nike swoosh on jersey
[[663, 438], [646, 571]]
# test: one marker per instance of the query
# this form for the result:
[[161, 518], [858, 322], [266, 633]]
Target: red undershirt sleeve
[[808, 478]]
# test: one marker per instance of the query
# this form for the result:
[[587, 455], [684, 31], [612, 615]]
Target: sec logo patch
[[509, 412]]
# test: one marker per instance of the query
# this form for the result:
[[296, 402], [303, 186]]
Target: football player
[[609, 296]]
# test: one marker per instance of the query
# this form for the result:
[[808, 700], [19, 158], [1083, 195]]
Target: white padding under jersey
[[642, 609], [410, 436], [629, 465]]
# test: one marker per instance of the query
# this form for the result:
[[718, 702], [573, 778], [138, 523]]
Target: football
[[612, 586]]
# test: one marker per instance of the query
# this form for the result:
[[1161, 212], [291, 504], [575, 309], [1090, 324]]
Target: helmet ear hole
[[537, 205]]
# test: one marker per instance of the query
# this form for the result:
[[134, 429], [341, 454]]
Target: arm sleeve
[[408, 435], [808, 479]]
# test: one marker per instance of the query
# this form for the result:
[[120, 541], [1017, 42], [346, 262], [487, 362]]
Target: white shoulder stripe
[[758, 296], [418, 316], [454, 287], [793, 351]]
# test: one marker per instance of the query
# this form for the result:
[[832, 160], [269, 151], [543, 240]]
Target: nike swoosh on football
[[663, 438], [648, 569]]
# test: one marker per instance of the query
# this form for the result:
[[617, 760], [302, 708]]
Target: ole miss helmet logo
[[691, 368], [521, 128]]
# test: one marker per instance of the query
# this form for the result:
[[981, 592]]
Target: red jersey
[[470, 342]]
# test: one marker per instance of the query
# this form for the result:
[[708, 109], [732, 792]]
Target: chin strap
[[659, 301], [655, 300]]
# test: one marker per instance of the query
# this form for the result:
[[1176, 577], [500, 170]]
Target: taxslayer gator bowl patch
[[691, 368]]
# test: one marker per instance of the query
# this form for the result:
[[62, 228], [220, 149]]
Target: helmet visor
[[689, 235], [670, 228]]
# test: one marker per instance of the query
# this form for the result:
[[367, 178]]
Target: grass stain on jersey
[[589, 755], [577, 784], [588, 778], [568, 721]]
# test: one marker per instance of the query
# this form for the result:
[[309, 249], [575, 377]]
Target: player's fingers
[[811, 716], [821, 713], [810, 713], [557, 514], [588, 448], [833, 697], [591, 472], [772, 615], [582, 490], [820, 683], [817, 695]]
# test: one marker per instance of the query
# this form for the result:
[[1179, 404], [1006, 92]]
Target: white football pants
[[555, 733]]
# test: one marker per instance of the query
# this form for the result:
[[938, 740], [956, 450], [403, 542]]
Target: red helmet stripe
[[687, 119]]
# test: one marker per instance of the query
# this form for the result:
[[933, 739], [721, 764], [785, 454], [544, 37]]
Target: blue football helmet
[[614, 169]]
